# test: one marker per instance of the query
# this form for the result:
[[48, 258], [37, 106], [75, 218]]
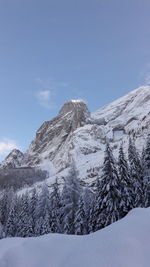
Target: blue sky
[[52, 51]]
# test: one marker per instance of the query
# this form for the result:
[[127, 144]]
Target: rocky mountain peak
[[77, 108], [13, 160], [53, 136], [72, 106]]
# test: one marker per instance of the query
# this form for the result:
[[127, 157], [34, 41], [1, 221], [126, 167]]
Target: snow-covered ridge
[[13, 160], [134, 105], [76, 134], [123, 244]]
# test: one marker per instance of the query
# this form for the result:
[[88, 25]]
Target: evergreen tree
[[80, 219], [10, 228], [32, 208], [11, 224], [5, 204], [38, 226], [136, 174], [45, 227], [42, 212], [110, 195], [95, 208], [33, 203], [146, 174], [91, 221], [24, 228], [127, 198], [2, 232], [69, 200], [55, 208], [69, 223], [88, 198], [43, 202]]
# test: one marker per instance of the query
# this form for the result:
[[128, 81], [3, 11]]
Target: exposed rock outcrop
[[13, 160]]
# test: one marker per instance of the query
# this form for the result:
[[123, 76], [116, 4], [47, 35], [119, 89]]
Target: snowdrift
[[125, 243]]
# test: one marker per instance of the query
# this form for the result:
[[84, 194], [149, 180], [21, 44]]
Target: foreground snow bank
[[125, 243]]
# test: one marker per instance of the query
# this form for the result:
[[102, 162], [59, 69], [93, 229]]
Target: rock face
[[77, 134], [54, 136], [13, 160], [76, 111]]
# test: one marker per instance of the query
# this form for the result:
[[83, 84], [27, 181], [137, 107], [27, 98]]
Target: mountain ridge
[[76, 134]]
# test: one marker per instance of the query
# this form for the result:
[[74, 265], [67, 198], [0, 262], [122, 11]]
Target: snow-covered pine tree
[[136, 174], [5, 204], [38, 227], [45, 227], [42, 211], [80, 218], [10, 228], [95, 210], [88, 198], [69, 201], [66, 216], [127, 197], [33, 200], [146, 174], [69, 224], [55, 208], [24, 225], [110, 191], [2, 232], [43, 201], [11, 224], [147, 154], [91, 221]]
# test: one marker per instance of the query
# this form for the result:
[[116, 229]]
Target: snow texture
[[123, 244]]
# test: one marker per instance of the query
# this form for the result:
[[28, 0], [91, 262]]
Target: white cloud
[[44, 97], [6, 145], [50, 88]]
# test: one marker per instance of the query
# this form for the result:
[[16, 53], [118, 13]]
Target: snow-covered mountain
[[13, 160], [77, 134], [122, 244]]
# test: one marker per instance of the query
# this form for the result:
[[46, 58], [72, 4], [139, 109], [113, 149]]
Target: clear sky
[[52, 51]]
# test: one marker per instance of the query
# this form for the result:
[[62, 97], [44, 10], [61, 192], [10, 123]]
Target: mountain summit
[[54, 136], [76, 134], [77, 111], [14, 159]]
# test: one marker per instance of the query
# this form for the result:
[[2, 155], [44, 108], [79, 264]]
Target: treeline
[[122, 185], [21, 177]]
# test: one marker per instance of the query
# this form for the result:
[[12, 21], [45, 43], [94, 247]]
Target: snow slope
[[125, 243]]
